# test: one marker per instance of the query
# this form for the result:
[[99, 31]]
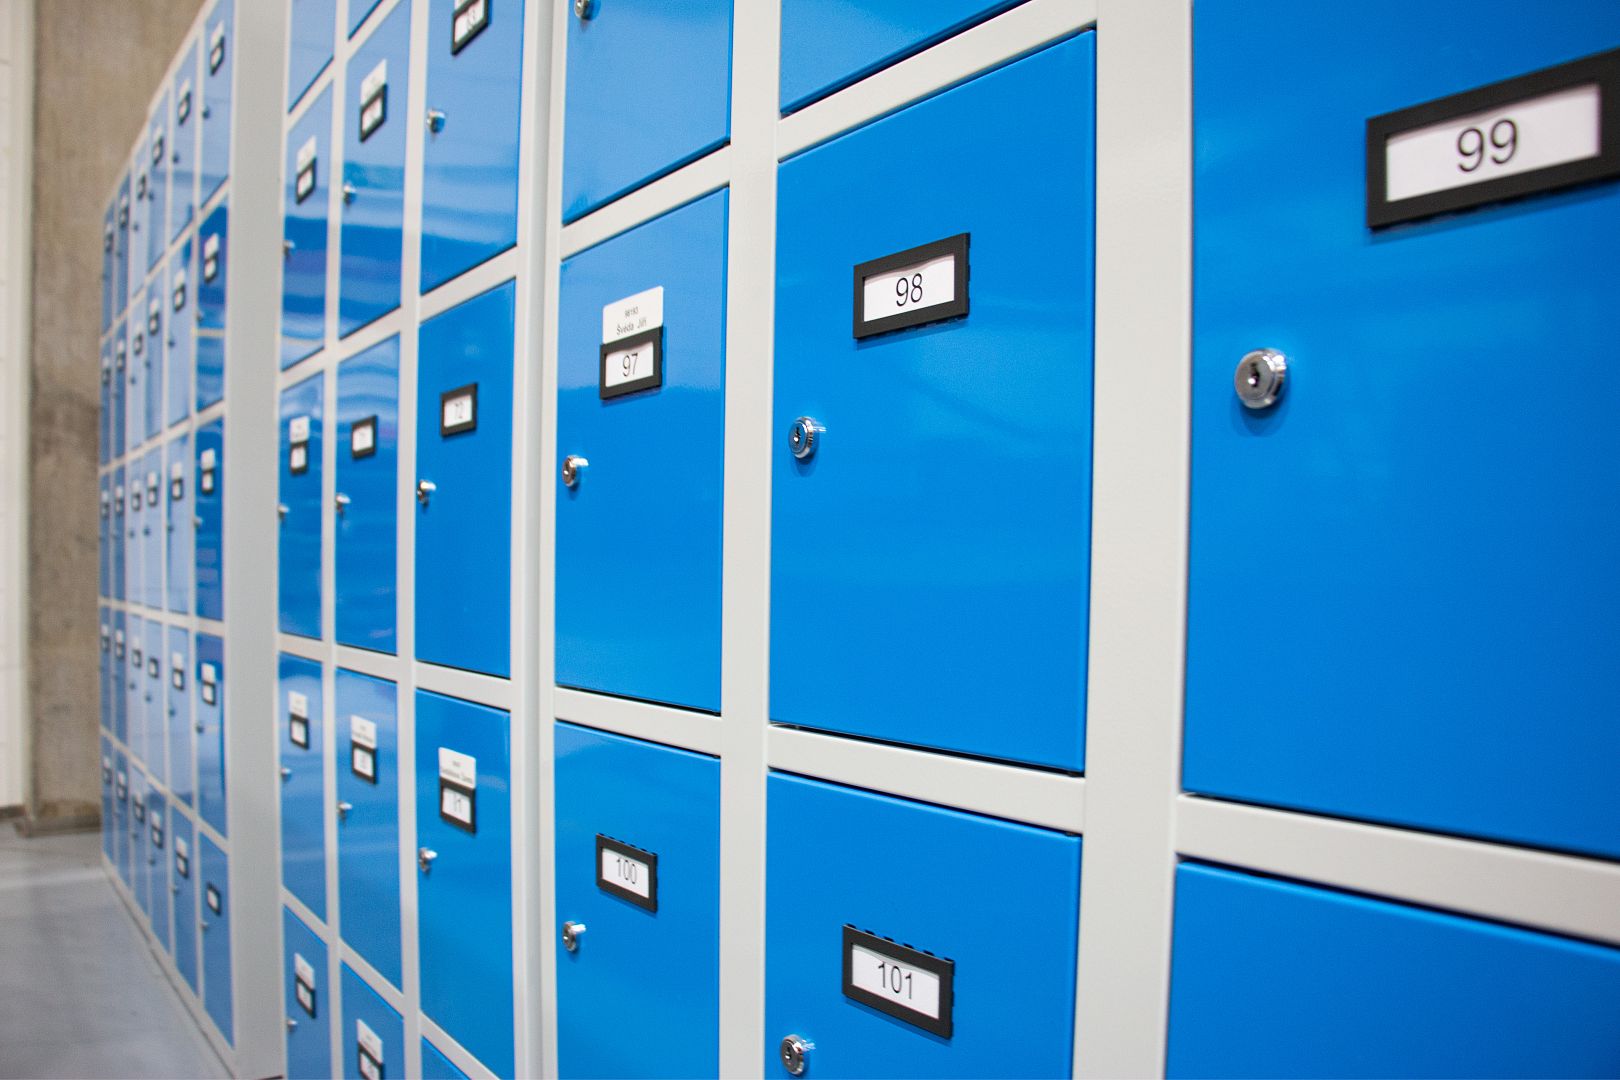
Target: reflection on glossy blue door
[[115, 677], [307, 1000], [156, 702], [208, 704], [303, 245], [312, 28], [366, 736], [208, 495], [303, 782], [218, 52], [212, 254], [299, 511], [435, 1066], [371, 1028], [367, 497]]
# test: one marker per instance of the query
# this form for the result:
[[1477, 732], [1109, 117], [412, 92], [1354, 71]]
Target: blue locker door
[[464, 893], [115, 534], [212, 253], [308, 1001], [638, 864], [959, 963], [1271, 978], [109, 229], [299, 553], [1411, 652], [373, 204], [209, 727], [649, 626], [134, 519], [154, 526], [218, 46], [157, 204], [932, 550], [464, 484], [303, 245], [135, 374], [182, 760], [678, 103], [372, 1033], [181, 341], [104, 541], [121, 815], [140, 874], [157, 859], [109, 845], [180, 545], [140, 214], [184, 890], [152, 314], [828, 44], [367, 505], [215, 920], [104, 416], [303, 782], [105, 672], [121, 249], [470, 157], [116, 397], [208, 498], [183, 152], [115, 678], [366, 737], [312, 30], [133, 688], [154, 700], [435, 1066]]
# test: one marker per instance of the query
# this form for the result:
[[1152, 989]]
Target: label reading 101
[[910, 288], [627, 872], [903, 982]]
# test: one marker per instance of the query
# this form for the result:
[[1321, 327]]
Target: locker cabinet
[[109, 242], [373, 205], [828, 44], [956, 959], [184, 890], [435, 1066], [151, 316], [303, 782], [470, 155], [367, 501], [115, 533], [182, 758], [1273, 978], [358, 10], [157, 859], [298, 555], [214, 919], [157, 198], [303, 245], [366, 737], [372, 1034], [105, 672], [311, 31], [140, 874], [649, 626], [115, 682], [180, 551], [208, 704], [1438, 603], [931, 484], [218, 63], [638, 865], [121, 815], [109, 845], [134, 519], [307, 1001], [180, 343], [213, 242], [183, 125], [464, 894], [104, 547], [208, 495], [121, 249], [677, 108], [155, 702], [464, 484]]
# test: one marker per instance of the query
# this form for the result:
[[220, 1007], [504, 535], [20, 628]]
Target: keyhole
[[1254, 374]]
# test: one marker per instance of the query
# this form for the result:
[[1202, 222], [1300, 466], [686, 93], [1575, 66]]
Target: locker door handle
[[286, 774], [572, 466], [281, 511], [349, 192], [340, 500], [287, 248], [571, 933], [175, 889], [202, 729], [425, 857], [435, 121], [291, 1023], [203, 924], [343, 809], [425, 488]]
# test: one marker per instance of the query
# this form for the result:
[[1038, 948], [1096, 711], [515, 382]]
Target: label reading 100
[[627, 872]]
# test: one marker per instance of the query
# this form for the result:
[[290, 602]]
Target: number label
[[458, 410], [458, 789], [216, 903], [370, 1046], [304, 182], [467, 20], [910, 288], [304, 984], [298, 719], [631, 364], [627, 872], [374, 100], [903, 982], [363, 438], [363, 748]]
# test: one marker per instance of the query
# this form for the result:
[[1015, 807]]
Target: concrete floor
[[81, 994]]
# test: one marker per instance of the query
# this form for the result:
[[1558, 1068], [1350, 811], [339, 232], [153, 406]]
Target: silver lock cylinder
[[1260, 377], [424, 490], [425, 857], [795, 1051], [585, 9], [571, 933], [804, 436], [435, 121], [572, 465]]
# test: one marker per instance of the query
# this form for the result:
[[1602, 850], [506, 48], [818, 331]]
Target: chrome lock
[[803, 437], [435, 121], [571, 933], [349, 192], [340, 500], [795, 1053], [425, 488], [1260, 377], [571, 466], [425, 857], [585, 9], [291, 1023], [286, 774], [343, 809]]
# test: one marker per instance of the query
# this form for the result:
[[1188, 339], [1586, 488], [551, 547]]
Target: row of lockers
[[161, 526]]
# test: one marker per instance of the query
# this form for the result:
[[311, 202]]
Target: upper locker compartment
[[828, 44], [931, 485], [213, 244], [373, 208], [1408, 588], [157, 198], [218, 47], [311, 32], [470, 156], [303, 244], [183, 126], [140, 218], [120, 252], [620, 132], [642, 354], [299, 552], [109, 240]]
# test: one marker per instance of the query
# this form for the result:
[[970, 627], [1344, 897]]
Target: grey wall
[[97, 64]]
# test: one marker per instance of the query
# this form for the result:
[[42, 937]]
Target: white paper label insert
[[909, 987], [629, 874], [633, 315], [627, 365], [910, 288]]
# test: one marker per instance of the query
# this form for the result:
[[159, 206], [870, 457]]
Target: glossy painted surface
[[368, 832], [157, 198], [121, 815], [104, 416], [358, 10], [303, 264], [210, 345], [155, 526], [1426, 566], [134, 688], [363, 1004], [140, 212], [134, 518], [1001, 901], [135, 372], [435, 1066], [303, 785], [653, 972], [216, 934], [109, 842], [299, 552], [208, 546], [155, 702], [209, 723], [1272, 978], [365, 529], [373, 218], [470, 166], [216, 98], [463, 530], [140, 872], [184, 97], [309, 1040], [183, 867], [104, 547], [464, 927], [180, 548], [115, 677], [933, 553], [120, 372], [178, 680], [115, 533], [121, 248], [180, 341], [647, 625], [312, 27], [157, 858]]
